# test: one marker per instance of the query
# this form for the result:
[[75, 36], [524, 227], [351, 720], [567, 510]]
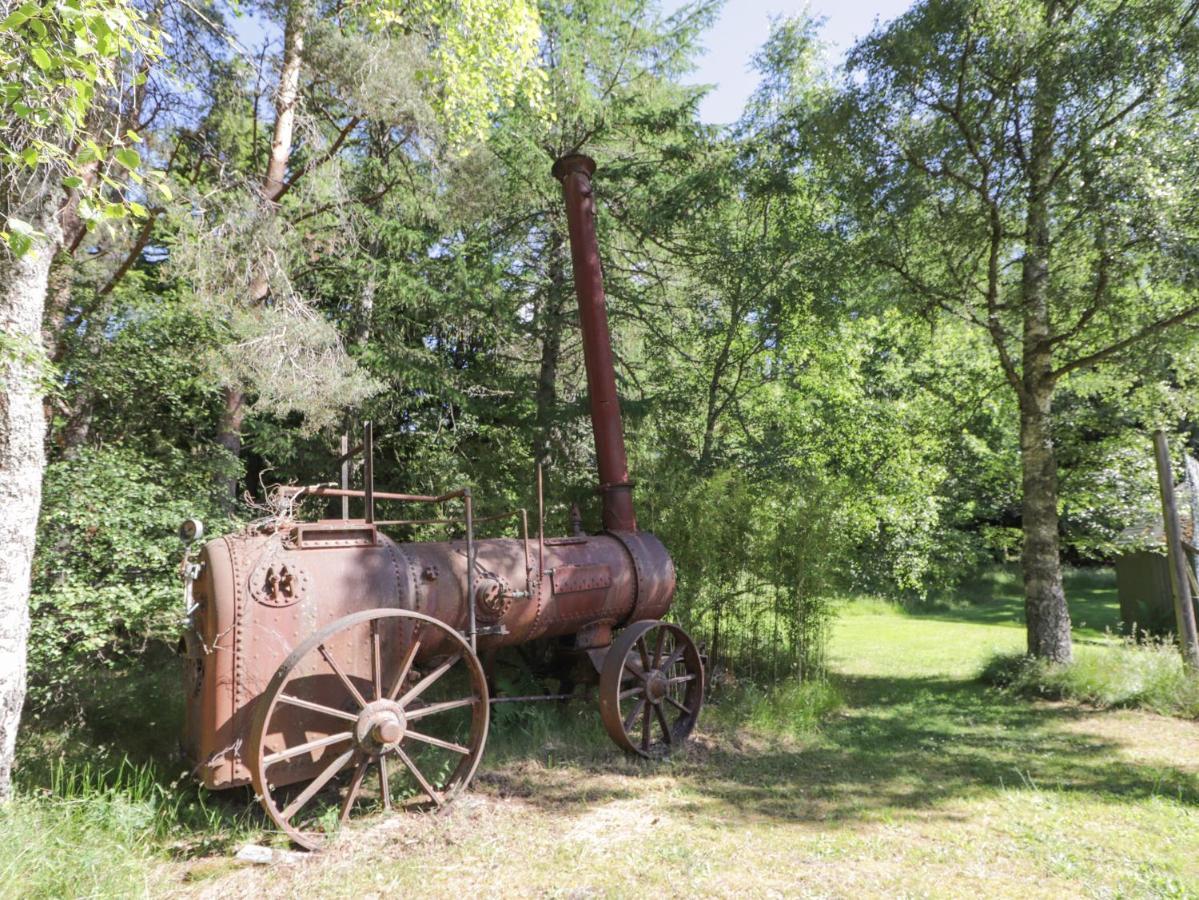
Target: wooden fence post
[[1184, 611]]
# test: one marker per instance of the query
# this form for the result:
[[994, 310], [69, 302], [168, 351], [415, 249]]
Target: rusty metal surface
[[654, 572], [245, 632], [616, 489]]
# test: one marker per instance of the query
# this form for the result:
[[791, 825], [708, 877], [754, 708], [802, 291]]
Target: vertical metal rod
[[345, 474], [540, 526], [368, 471], [524, 533], [1184, 611], [470, 568]]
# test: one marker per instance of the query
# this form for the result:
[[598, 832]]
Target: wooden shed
[[1143, 572]]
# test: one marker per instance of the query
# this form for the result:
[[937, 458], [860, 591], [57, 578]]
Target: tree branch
[[318, 161], [1112, 349]]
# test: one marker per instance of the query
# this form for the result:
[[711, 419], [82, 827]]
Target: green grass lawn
[[922, 782]]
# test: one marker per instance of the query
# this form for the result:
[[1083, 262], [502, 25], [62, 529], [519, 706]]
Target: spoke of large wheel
[[675, 703], [301, 749], [645, 728], [328, 657], [662, 721], [436, 742], [384, 782], [317, 783], [633, 664], [644, 651], [632, 717], [674, 657], [376, 660], [317, 707], [352, 791], [658, 647], [680, 679], [416, 773], [434, 708], [405, 668], [420, 687], [631, 692]]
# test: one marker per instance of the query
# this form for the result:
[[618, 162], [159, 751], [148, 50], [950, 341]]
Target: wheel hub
[[656, 686], [380, 725]]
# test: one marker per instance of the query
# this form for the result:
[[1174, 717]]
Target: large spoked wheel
[[381, 708], [651, 688]]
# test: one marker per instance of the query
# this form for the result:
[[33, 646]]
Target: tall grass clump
[[1147, 676], [88, 832], [84, 829], [788, 709]]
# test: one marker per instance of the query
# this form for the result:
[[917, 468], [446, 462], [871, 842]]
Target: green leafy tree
[[1028, 167]]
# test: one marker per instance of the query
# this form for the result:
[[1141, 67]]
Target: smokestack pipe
[[616, 490]]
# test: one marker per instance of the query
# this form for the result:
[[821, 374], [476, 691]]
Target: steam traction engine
[[340, 672]]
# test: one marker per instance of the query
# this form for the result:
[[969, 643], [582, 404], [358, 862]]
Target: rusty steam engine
[[340, 672]]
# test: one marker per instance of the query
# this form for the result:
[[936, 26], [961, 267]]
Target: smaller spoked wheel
[[380, 709], [651, 688]]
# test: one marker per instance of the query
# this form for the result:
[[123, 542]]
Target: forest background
[[898, 322]]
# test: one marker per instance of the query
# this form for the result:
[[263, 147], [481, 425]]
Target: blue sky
[[743, 28]]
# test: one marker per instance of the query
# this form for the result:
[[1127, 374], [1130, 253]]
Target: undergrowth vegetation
[[1150, 676]]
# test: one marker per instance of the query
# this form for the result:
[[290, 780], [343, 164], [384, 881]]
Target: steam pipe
[[615, 488]]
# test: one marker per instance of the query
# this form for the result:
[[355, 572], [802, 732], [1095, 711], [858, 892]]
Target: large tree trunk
[[1045, 609], [1046, 614], [22, 458], [287, 96]]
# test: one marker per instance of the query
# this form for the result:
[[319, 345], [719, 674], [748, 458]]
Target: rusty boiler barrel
[[259, 595]]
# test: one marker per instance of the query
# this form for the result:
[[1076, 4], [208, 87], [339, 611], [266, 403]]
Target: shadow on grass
[[911, 744], [899, 743]]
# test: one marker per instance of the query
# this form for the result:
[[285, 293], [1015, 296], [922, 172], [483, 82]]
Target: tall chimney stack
[[616, 490]]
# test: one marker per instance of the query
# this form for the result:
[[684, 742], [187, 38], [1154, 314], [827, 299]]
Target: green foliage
[[106, 577], [56, 62], [1146, 676]]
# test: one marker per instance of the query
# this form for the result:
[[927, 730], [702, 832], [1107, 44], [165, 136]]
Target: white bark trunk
[[287, 97], [22, 458]]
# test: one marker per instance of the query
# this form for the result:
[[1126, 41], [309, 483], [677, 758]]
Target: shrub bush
[[106, 576]]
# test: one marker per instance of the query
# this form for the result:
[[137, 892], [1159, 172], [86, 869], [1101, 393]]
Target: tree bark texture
[[1046, 613], [23, 284]]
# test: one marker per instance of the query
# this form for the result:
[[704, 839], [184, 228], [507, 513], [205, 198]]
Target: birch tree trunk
[[23, 285], [287, 96]]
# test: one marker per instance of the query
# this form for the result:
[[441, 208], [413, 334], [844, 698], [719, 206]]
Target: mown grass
[[1108, 670], [923, 781]]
